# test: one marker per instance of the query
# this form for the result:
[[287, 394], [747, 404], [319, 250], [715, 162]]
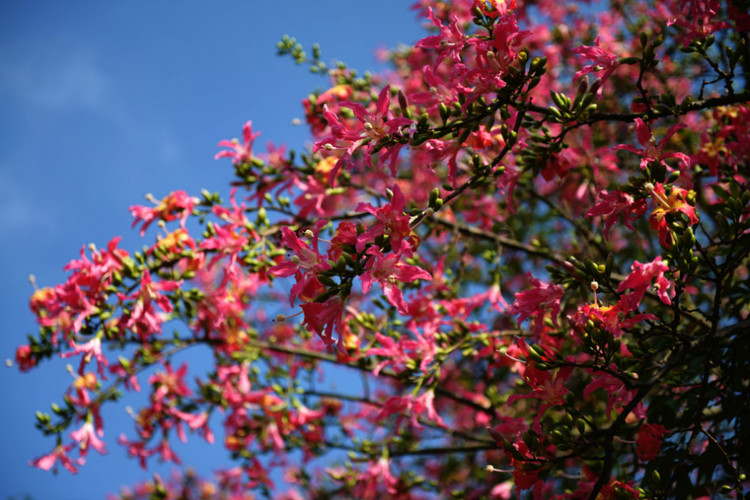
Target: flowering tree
[[529, 241]]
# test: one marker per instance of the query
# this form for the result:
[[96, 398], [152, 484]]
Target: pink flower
[[305, 264], [400, 353], [649, 441], [366, 134], [91, 349], [388, 270], [640, 279], [610, 318], [604, 61], [674, 204], [450, 41], [24, 358], [544, 388], [697, 17], [59, 453], [323, 317], [170, 383], [379, 472], [390, 221], [523, 478], [536, 302], [174, 205], [143, 317], [86, 437], [615, 205], [495, 8], [440, 91], [413, 406], [652, 150], [239, 153], [166, 454], [136, 449]]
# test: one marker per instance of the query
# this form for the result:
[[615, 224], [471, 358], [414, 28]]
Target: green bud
[[581, 425], [434, 196], [444, 112], [512, 136]]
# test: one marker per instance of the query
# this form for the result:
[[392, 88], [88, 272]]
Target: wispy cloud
[[66, 83], [17, 207], [67, 78]]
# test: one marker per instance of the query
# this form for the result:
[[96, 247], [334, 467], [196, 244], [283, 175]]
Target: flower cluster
[[487, 275]]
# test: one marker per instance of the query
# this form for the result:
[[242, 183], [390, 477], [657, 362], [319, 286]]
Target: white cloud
[[67, 83], [17, 208]]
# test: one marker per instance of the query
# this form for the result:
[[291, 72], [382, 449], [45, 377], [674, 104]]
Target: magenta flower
[[91, 349], [673, 204], [550, 391], [400, 353], [648, 441], [640, 279], [616, 205], [697, 17], [305, 264], [390, 221], [174, 205], [370, 129], [537, 302], [170, 383], [413, 406], [652, 150], [449, 42], [59, 453], [24, 358], [86, 438], [143, 318], [323, 317], [386, 270], [604, 63], [239, 153]]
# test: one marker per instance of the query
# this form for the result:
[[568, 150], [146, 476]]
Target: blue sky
[[103, 102]]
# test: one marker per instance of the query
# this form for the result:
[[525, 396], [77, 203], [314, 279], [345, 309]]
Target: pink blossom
[[239, 153], [640, 279], [604, 62], [305, 264], [616, 205], [366, 134], [386, 270], [544, 388], [390, 221], [440, 90], [413, 406], [400, 353], [59, 453], [652, 150], [495, 8], [86, 437], [143, 317], [379, 472], [449, 42], [170, 383], [543, 297], [674, 204], [24, 358], [323, 317], [649, 441], [174, 205], [91, 349], [696, 17]]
